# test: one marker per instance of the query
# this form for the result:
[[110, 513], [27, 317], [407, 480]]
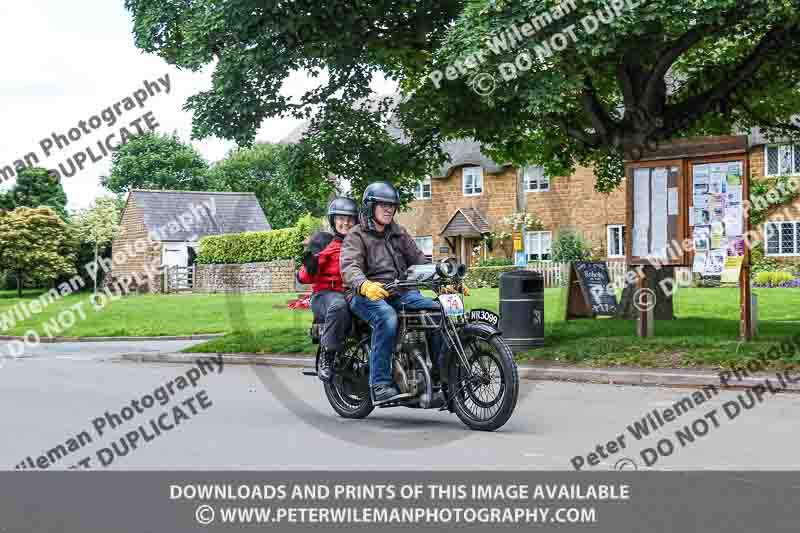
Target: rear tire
[[345, 392], [487, 402]]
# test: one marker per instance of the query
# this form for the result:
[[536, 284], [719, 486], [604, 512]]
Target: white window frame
[[421, 247], [477, 174], [609, 238], [419, 190], [779, 223], [793, 148], [542, 181], [537, 236]]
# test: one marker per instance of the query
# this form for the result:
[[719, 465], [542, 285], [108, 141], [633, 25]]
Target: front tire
[[348, 390], [485, 401]]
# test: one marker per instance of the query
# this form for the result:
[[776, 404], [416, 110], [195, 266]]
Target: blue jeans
[[382, 317]]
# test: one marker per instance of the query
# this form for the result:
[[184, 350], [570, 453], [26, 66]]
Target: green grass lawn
[[158, 315], [704, 334]]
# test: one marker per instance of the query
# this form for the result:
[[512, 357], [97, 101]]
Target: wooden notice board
[[685, 206]]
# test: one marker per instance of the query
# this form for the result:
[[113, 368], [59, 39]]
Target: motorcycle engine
[[408, 377]]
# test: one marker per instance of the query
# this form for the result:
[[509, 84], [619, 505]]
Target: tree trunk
[[96, 269], [663, 290], [19, 283]]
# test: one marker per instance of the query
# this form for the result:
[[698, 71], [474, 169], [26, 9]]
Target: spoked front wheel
[[485, 396], [348, 391]]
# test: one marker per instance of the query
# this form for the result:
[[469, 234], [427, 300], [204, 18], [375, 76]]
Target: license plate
[[452, 304], [482, 315]]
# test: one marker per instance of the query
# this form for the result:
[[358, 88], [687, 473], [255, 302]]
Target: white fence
[[555, 274]]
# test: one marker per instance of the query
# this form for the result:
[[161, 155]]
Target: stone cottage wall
[[275, 276]]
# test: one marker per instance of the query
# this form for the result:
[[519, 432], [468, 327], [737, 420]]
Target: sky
[[63, 62]]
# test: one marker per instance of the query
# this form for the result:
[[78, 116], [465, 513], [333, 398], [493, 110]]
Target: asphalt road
[[275, 418]]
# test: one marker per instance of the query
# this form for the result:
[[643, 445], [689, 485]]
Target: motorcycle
[[479, 380]]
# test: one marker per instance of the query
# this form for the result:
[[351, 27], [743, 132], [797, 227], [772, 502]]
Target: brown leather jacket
[[381, 257]]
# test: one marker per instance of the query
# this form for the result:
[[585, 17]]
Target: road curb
[[56, 340], [612, 376]]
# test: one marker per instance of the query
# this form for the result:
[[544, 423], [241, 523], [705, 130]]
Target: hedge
[[479, 277], [257, 246]]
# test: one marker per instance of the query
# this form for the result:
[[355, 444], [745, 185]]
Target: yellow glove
[[466, 289], [373, 290]]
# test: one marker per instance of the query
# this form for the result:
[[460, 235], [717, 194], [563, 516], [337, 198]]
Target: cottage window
[[423, 189], [473, 181], [535, 179], [616, 240], [782, 160], [783, 238], [537, 245], [425, 244]]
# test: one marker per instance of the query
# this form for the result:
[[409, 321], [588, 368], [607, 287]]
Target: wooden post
[[745, 293], [645, 323], [746, 304]]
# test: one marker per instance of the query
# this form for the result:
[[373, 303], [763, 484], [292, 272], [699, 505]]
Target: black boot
[[325, 370], [386, 393]]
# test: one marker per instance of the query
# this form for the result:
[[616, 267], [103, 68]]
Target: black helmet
[[341, 205], [380, 191]]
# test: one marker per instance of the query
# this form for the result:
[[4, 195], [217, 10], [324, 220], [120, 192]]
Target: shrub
[[773, 279], [494, 262], [480, 277], [257, 246], [761, 263], [568, 246]]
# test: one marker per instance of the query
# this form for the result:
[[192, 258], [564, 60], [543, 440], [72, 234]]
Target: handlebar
[[445, 273]]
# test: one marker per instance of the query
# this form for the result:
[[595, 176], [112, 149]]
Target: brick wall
[[275, 276], [571, 202], [134, 255]]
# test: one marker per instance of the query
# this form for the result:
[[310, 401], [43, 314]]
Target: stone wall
[[275, 276]]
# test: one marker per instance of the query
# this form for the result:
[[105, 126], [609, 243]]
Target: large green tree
[[34, 187], [35, 245], [267, 170], [154, 161], [660, 70]]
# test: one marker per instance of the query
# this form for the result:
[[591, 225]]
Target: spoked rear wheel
[[485, 397], [348, 391]]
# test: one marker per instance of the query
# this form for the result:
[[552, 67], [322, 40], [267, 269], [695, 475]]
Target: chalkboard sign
[[590, 292]]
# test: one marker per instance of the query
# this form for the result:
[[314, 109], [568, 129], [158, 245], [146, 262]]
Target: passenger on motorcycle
[[374, 253], [321, 269]]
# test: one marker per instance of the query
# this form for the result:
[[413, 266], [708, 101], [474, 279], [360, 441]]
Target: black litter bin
[[522, 309]]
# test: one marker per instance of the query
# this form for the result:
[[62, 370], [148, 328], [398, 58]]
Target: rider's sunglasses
[[386, 206]]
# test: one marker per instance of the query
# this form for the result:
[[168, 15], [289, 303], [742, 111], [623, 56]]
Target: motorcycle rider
[[321, 269], [375, 252]]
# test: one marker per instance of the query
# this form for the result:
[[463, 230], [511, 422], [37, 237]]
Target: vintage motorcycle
[[479, 380]]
